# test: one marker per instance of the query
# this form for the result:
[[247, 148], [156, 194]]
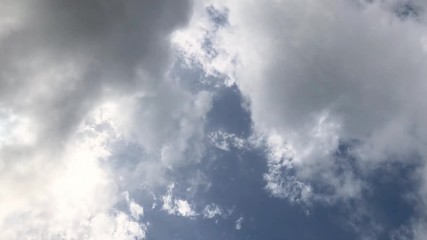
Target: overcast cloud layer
[[237, 119]]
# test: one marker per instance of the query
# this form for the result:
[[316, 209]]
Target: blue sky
[[213, 119]]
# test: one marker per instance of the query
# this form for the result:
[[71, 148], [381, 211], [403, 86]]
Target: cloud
[[239, 222], [89, 108], [212, 210], [316, 74], [83, 50], [135, 209], [333, 79], [199, 46], [320, 77], [178, 207], [77, 79], [224, 140], [69, 195]]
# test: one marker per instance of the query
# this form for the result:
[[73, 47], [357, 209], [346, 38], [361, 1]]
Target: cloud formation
[[321, 77], [94, 107], [78, 78], [178, 207]]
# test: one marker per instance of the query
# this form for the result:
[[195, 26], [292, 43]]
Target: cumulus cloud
[[77, 78], [320, 76], [316, 74], [333, 76]]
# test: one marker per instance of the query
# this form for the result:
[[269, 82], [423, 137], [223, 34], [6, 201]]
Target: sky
[[213, 119]]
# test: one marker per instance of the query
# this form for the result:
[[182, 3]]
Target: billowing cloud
[[329, 74], [77, 79], [335, 88]]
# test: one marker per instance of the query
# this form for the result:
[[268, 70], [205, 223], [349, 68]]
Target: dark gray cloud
[[102, 45]]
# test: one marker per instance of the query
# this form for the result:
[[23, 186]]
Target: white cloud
[[175, 206], [238, 223], [212, 210], [117, 228], [136, 210], [184, 208], [224, 140], [68, 195], [317, 74], [197, 44]]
